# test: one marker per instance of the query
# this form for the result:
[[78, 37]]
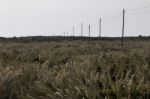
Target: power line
[[140, 8], [112, 19], [143, 12]]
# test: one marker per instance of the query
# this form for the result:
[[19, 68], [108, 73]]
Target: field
[[75, 69]]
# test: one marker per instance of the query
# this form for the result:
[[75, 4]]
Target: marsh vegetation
[[75, 70]]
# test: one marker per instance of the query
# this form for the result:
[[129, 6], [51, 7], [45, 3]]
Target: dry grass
[[75, 70]]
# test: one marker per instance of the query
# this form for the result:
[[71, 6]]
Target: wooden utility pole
[[64, 34], [100, 27], [89, 30], [100, 30], [81, 29], [67, 34], [123, 25], [61, 36], [73, 31], [73, 34]]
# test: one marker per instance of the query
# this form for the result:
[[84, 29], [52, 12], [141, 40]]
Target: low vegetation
[[75, 70]]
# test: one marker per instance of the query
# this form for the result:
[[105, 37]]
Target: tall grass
[[75, 70]]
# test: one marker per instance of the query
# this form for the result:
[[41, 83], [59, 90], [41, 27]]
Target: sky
[[57, 17]]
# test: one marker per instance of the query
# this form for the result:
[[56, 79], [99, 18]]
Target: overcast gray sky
[[47, 17]]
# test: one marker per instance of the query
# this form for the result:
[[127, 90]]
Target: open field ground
[[75, 69]]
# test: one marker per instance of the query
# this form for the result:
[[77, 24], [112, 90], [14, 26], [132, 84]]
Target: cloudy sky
[[54, 17]]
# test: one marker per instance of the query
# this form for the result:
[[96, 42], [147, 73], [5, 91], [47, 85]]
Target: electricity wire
[[140, 12], [112, 19], [139, 9]]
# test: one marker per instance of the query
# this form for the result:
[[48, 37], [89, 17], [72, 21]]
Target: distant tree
[[14, 37], [140, 36]]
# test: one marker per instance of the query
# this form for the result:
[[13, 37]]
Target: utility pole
[[73, 34], [81, 29], [61, 36], [123, 25], [73, 31], [89, 30], [64, 34], [100, 27], [67, 34]]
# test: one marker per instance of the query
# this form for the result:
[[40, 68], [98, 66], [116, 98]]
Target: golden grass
[[75, 70]]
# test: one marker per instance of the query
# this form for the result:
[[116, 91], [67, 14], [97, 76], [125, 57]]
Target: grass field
[[75, 70]]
